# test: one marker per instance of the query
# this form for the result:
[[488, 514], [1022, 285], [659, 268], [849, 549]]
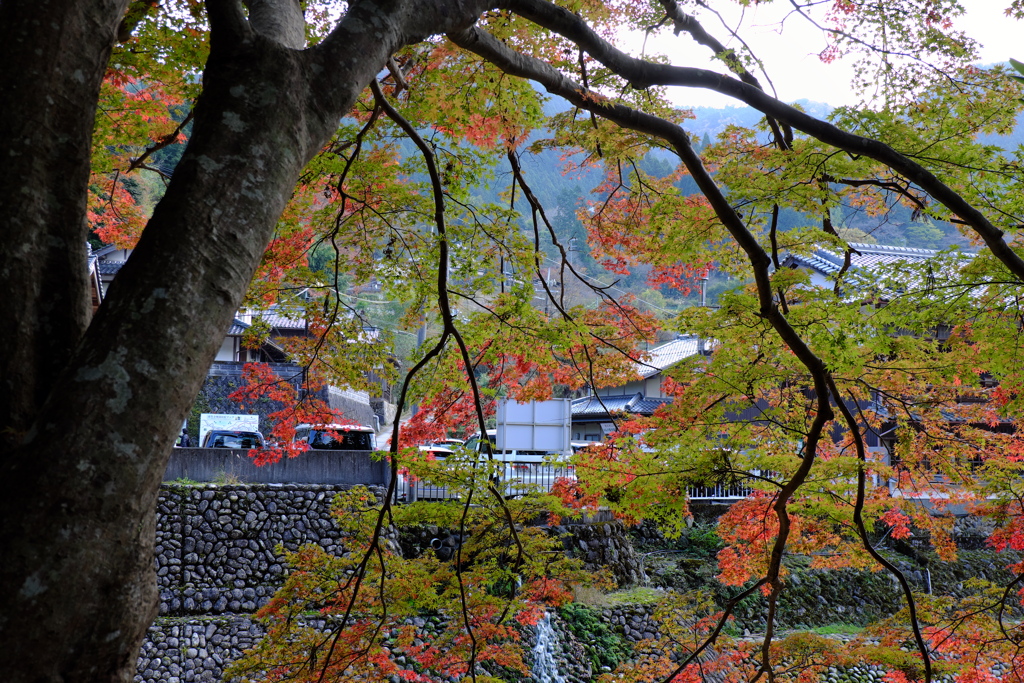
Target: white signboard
[[535, 426], [232, 423]]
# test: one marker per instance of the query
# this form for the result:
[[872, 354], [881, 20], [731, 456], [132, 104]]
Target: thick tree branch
[[137, 11], [279, 20], [641, 74], [265, 110]]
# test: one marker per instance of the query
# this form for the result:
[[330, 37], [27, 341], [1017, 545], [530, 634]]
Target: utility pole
[[703, 304]]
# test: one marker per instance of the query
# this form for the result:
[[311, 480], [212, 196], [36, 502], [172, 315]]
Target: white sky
[[793, 62]]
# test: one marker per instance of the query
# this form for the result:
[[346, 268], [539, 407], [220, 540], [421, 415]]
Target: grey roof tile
[[869, 257], [283, 319], [637, 404], [109, 267], [592, 405], [237, 328], [647, 406], [668, 354]]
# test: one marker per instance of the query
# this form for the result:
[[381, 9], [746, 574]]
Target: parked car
[[337, 437], [221, 438], [446, 443]]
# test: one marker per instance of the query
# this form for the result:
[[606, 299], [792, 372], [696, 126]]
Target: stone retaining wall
[[197, 649], [216, 546], [634, 622], [191, 650], [217, 562], [604, 545]]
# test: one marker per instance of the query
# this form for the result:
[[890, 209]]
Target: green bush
[[704, 540], [604, 647]]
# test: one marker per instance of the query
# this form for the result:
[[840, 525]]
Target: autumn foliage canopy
[[877, 404]]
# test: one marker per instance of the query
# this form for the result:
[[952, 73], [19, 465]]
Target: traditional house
[[870, 259], [592, 416], [104, 264], [825, 265]]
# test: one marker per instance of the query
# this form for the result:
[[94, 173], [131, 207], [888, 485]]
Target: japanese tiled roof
[[109, 267], [237, 328], [866, 256], [668, 354], [283, 319], [647, 405], [637, 404]]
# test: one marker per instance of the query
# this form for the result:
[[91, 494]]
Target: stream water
[[545, 666]]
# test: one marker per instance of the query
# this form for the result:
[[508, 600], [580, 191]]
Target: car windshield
[[342, 440], [235, 440]]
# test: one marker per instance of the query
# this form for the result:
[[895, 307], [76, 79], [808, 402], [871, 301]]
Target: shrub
[[604, 647]]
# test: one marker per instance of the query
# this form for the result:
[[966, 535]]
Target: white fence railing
[[520, 478], [719, 492]]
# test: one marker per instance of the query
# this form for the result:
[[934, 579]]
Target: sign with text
[[231, 423]]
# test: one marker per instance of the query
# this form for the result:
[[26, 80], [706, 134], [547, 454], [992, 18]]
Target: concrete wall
[[337, 468]]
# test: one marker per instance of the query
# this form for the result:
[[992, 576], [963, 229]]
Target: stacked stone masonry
[[189, 650], [218, 561], [604, 545], [217, 546]]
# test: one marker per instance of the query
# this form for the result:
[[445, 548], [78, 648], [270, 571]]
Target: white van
[[337, 437]]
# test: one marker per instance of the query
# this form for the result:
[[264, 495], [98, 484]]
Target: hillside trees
[[282, 113]]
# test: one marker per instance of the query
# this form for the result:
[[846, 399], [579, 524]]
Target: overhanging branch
[[641, 74]]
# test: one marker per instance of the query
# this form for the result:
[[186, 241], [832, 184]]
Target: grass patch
[[227, 479], [183, 481], [634, 596], [837, 630], [594, 597], [588, 595]]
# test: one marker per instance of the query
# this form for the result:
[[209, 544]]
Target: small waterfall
[[545, 665]]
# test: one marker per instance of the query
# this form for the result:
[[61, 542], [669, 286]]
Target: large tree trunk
[[48, 99], [89, 426]]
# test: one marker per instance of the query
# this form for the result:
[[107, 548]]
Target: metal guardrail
[[520, 478]]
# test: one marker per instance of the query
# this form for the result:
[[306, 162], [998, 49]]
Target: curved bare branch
[[641, 74]]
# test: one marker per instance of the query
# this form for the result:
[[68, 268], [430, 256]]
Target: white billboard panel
[[233, 423], [535, 426]]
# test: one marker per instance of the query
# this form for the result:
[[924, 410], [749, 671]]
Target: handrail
[[520, 476]]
